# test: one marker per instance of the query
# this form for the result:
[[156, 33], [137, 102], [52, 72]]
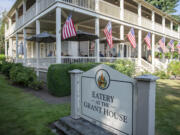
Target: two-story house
[[31, 17]]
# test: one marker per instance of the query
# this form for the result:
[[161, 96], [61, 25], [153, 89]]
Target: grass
[[168, 107], [23, 114]]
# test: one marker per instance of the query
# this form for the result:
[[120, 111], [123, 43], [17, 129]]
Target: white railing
[[146, 65], [130, 17], [73, 60], [19, 61], [88, 4], [147, 23], [30, 13], [109, 9], [19, 22], [175, 34], [12, 28], [31, 62], [44, 4], [158, 27], [160, 65], [168, 31]]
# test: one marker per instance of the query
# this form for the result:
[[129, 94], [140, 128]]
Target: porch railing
[[30, 13], [130, 17], [19, 23], [88, 4], [147, 23], [44, 4], [109, 9]]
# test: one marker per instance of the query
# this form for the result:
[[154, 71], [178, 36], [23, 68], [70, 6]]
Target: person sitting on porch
[[50, 54], [100, 54]]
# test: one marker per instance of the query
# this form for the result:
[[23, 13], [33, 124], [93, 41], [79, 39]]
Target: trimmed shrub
[[24, 76], [58, 77], [6, 67]]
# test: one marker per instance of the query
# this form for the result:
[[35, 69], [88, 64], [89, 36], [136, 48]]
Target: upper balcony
[[109, 8]]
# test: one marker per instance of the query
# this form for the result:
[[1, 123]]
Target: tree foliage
[[2, 30], [167, 6]]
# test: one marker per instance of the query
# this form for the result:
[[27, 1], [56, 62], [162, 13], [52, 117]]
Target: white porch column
[[10, 22], [122, 32], [37, 46], [153, 20], [37, 7], [139, 15], [121, 9], [171, 27], [97, 41], [163, 23], [16, 15], [97, 5], [6, 49], [10, 48], [25, 46], [58, 35], [16, 47], [122, 50], [153, 51], [24, 10], [139, 47]]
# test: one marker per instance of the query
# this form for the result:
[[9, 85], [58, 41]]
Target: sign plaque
[[107, 99]]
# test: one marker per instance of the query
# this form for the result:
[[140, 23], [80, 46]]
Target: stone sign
[[107, 98], [113, 101]]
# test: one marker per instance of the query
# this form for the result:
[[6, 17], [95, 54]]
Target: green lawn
[[24, 114]]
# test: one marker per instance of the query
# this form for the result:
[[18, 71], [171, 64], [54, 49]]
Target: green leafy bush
[[162, 75], [2, 60], [6, 67], [58, 77], [24, 76], [174, 68]]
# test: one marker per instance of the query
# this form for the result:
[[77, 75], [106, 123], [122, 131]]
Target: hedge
[[20, 75], [174, 68], [2, 60], [58, 77]]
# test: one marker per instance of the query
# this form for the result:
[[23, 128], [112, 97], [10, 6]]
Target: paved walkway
[[47, 97]]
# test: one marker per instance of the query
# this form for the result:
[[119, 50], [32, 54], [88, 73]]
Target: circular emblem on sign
[[102, 79]]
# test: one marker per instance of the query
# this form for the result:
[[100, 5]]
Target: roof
[[144, 3]]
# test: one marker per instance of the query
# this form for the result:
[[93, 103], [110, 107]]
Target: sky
[[6, 5]]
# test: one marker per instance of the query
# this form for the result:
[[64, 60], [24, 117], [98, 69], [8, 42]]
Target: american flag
[[148, 41], [178, 46], [162, 44], [132, 38], [108, 34], [171, 44], [68, 28]]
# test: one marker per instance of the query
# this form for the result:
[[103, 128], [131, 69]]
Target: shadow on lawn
[[168, 108]]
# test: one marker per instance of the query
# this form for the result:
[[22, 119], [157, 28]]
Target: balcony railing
[[30, 13], [88, 4], [147, 23], [130, 17], [158, 27], [44, 4], [175, 34], [109, 9], [19, 22]]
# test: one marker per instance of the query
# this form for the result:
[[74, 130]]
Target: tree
[[167, 6], [2, 29]]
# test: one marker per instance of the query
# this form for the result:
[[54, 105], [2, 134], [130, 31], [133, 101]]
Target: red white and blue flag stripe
[[108, 34], [148, 41], [162, 44], [171, 44], [178, 46], [132, 38], [68, 28]]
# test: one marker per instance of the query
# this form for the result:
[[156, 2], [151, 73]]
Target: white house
[[30, 17]]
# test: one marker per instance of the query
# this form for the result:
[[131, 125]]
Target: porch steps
[[69, 126]]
